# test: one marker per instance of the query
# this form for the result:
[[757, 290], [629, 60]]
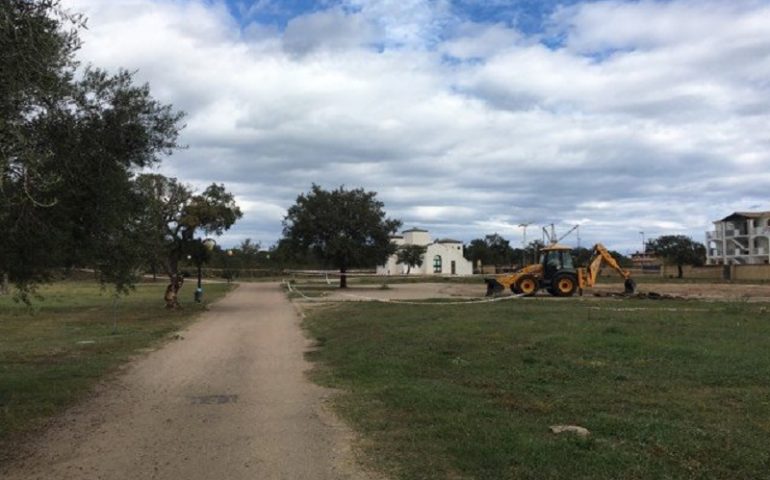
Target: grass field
[[668, 389], [52, 354]]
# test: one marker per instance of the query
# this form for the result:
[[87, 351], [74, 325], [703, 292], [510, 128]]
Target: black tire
[[514, 289], [527, 285], [564, 285]]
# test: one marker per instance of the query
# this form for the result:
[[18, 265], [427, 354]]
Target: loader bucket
[[630, 286], [493, 287]]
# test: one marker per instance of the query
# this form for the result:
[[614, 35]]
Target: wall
[[449, 252], [716, 272], [713, 272], [751, 272]]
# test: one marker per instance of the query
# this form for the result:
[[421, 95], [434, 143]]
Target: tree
[[491, 250], [411, 256], [173, 215], [477, 250], [68, 150], [342, 228], [678, 250]]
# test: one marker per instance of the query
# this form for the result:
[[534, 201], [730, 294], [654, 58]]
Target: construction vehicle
[[557, 274]]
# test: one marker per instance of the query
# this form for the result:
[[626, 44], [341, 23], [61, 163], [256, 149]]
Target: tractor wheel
[[564, 285], [527, 285], [515, 289]]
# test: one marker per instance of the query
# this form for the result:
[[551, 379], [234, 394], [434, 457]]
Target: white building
[[443, 256], [742, 238]]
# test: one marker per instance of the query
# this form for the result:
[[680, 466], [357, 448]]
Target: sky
[[467, 117]]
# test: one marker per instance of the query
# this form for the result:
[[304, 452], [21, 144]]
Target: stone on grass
[[579, 431]]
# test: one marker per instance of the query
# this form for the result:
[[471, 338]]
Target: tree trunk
[[343, 278], [171, 296], [408, 269], [4, 287], [679, 270]]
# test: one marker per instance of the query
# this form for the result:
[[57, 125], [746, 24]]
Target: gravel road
[[228, 400]]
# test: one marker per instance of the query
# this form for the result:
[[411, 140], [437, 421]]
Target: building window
[[437, 264]]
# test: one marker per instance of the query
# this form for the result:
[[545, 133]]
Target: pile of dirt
[[640, 295]]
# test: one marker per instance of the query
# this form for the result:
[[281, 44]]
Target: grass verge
[[52, 354], [667, 389]]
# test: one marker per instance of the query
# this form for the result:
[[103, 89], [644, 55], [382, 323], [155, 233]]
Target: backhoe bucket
[[493, 287], [630, 286]]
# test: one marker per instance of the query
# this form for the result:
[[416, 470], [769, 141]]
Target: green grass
[[52, 354], [668, 389]]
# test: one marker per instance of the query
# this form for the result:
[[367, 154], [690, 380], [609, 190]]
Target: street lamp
[[201, 253]]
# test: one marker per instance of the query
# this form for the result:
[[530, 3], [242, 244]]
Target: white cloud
[[651, 117], [328, 29]]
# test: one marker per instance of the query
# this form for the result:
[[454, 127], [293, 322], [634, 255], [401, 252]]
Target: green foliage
[[172, 215], [491, 250], [678, 250], [68, 150], [469, 391], [343, 228], [411, 256]]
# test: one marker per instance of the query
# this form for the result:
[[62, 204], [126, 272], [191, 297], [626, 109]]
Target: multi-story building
[[742, 238]]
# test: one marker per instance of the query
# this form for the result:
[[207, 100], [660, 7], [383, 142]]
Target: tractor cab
[[559, 273], [556, 258]]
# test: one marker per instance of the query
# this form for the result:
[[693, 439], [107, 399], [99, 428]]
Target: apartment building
[[741, 238]]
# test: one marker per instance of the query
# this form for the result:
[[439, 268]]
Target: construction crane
[[557, 274]]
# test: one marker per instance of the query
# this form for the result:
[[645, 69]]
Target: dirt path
[[228, 401]]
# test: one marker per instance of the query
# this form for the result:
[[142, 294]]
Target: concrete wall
[[713, 272], [751, 272], [449, 252], [717, 272], [416, 237]]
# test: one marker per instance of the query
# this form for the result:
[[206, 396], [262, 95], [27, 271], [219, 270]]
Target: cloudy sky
[[468, 117]]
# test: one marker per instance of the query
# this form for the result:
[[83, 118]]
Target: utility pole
[[644, 245], [577, 232], [524, 244]]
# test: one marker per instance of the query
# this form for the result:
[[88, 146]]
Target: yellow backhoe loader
[[557, 274]]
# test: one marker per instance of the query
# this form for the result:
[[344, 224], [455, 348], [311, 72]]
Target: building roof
[[415, 230], [735, 215], [447, 240]]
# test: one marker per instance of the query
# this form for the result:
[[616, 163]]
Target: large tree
[[68, 150], [411, 256], [678, 250], [342, 228], [174, 217]]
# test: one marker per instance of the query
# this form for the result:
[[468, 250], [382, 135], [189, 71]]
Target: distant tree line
[[494, 250]]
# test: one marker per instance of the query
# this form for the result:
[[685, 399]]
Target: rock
[[579, 431]]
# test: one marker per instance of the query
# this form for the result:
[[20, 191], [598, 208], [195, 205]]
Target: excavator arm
[[587, 276]]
